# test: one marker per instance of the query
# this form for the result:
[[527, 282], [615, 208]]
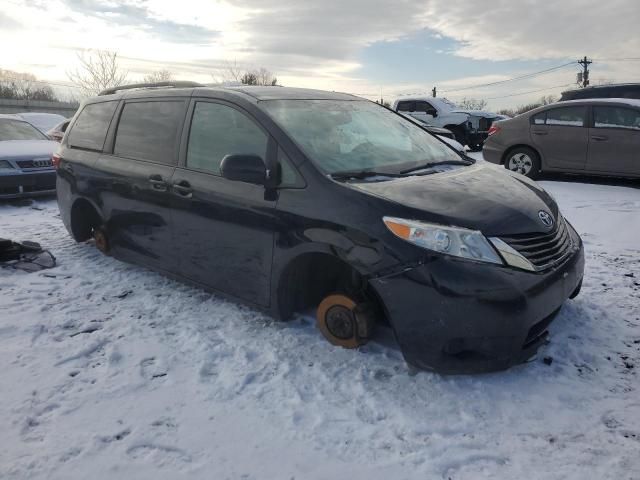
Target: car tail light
[[493, 130], [55, 160]]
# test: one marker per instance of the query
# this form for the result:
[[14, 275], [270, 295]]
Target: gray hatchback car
[[596, 136]]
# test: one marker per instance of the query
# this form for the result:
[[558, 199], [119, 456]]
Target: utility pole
[[433, 92], [585, 72]]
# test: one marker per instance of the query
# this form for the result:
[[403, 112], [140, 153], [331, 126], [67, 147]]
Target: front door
[[561, 136], [133, 181], [614, 140], [224, 230]]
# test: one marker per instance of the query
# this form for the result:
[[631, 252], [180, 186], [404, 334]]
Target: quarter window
[[217, 131], [149, 131], [567, 117], [288, 176], [616, 117], [90, 129], [540, 118]]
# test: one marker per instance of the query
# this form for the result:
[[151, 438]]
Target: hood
[[27, 149], [476, 113], [480, 197], [437, 130]]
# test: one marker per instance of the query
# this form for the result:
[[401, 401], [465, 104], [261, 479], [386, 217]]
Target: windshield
[[356, 135], [17, 130], [43, 121]]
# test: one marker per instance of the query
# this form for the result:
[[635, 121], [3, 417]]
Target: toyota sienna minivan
[[294, 200]]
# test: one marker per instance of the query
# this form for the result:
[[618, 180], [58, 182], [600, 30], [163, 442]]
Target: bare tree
[[233, 72], [512, 112], [472, 104], [548, 99], [24, 86], [158, 76], [265, 77], [99, 70]]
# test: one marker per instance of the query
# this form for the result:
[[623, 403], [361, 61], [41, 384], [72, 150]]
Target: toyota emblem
[[545, 218]]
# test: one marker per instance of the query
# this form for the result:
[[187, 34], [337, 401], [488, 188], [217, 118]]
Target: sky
[[373, 48]]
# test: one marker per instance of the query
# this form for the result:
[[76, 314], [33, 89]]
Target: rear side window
[[217, 131], [407, 106], [616, 117], [567, 116], [90, 129], [539, 119], [149, 131]]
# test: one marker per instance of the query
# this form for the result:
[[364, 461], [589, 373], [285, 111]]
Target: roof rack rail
[[180, 84]]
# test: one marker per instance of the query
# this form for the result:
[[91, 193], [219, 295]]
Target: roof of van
[[256, 93], [610, 85], [632, 102], [291, 93]]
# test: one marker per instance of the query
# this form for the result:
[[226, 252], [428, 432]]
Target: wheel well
[[312, 276], [505, 155], [84, 219]]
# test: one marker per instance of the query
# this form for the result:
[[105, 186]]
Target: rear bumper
[[27, 184], [453, 316], [492, 152]]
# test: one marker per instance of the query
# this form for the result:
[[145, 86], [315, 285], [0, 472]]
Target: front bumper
[[455, 316], [17, 184], [477, 137]]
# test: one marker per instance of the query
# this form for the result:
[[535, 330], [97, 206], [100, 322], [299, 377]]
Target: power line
[[521, 77], [531, 91], [628, 59]]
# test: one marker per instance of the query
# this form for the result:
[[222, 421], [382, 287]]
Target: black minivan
[[292, 199]]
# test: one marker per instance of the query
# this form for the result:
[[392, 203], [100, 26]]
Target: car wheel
[[523, 160], [344, 322]]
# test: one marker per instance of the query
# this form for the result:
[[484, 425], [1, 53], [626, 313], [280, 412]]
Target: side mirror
[[433, 113], [244, 168]]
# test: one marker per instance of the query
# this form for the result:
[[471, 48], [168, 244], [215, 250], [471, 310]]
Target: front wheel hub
[[101, 240], [344, 322], [340, 321]]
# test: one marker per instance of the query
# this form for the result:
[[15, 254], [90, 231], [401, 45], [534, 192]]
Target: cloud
[[139, 16], [8, 23], [327, 30], [531, 29]]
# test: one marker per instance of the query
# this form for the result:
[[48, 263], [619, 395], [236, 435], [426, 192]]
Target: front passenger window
[[218, 130], [616, 117]]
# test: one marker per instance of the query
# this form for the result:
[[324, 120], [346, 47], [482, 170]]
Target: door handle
[[158, 183], [183, 188], [540, 132], [599, 138]]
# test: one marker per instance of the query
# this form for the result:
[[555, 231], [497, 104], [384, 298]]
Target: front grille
[[38, 163], [539, 330], [543, 250]]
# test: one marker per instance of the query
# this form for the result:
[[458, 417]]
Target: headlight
[[4, 164], [459, 242]]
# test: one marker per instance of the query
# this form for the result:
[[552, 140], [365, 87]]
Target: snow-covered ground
[[108, 370]]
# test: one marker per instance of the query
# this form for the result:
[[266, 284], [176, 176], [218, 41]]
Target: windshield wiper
[[360, 174], [436, 164]]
